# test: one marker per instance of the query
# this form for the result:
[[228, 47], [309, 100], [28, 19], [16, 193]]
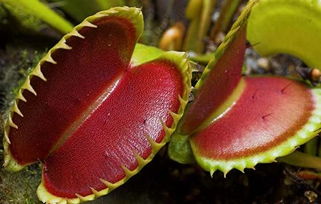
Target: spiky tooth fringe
[[86, 198], [38, 73], [112, 186], [49, 59], [140, 160], [155, 146], [75, 33], [88, 24], [28, 86], [129, 173], [11, 123], [62, 45], [100, 193], [20, 96]]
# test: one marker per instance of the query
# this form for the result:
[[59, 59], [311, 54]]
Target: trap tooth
[[88, 24], [50, 59], [94, 191], [155, 146], [21, 97], [182, 101], [140, 160], [11, 123], [212, 171], [16, 109], [37, 72], [225, 173], [63, 45], [241, 166], [99, 193], [86, 198], [28, 86], [129, 173], [6, 136], [112, 186], [175, 116], [77, 34], [168, 132]]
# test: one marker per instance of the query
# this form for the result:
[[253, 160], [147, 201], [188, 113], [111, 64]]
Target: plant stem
[[302, 160], [311, 146], [193, 9], [199, 12], [80, 9], [319, 149], [203, 59], [228, 11], [39, 10]]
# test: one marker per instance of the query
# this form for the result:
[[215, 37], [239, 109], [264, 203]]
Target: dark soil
[[165, 181]]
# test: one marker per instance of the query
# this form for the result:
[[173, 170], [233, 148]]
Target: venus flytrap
[[73, 97], [267, 118]]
